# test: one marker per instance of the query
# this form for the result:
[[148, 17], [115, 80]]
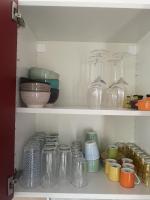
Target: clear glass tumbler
[[48, 169], [64, 162], [79, 172]]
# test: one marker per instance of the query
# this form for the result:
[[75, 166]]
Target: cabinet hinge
[[12, 180], [11, 183], [16, 15]]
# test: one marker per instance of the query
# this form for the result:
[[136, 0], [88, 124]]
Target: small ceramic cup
[[126, 160], [128, 165], [112, 151], [128, 178], [107, 164], [114, 172]]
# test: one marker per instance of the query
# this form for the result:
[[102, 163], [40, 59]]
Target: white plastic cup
[[91, 150]]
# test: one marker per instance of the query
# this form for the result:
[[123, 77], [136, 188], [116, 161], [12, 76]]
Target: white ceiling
[[87, 24]]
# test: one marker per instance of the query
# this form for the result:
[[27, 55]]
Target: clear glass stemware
[[97, 85], [118, 89]]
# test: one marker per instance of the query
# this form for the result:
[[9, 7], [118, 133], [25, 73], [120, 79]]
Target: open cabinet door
[[8, 43]]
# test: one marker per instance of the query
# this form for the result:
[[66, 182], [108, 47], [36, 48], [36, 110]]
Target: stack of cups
[[39, 137], [31, 164], [92, 155], [108, 162], [52, 139], [92, 135], [112, 169], [76, 149]]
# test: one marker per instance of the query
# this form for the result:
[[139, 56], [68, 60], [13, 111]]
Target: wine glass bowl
[[97, 85]]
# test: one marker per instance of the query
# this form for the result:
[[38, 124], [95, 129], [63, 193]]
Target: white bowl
[[35, 99]]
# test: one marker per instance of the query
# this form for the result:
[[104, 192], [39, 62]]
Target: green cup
[[112, 152], [93, 165], [92, 135]]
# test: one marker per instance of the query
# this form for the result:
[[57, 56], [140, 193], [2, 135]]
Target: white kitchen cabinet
[[26, 198], [59, 36]]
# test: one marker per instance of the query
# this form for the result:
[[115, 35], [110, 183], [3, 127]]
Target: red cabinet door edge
[[8, 45]]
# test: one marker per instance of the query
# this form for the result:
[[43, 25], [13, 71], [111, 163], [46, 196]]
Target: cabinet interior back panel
[[70, 60], [71, 127], [143, 87]]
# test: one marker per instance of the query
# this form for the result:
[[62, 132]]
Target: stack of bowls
[[92, 155], [49, 77], [34, 94]]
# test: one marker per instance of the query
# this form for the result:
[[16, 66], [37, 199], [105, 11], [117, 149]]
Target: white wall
[[142, 129]]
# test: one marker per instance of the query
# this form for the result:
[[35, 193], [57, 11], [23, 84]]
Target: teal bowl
[[53, 83], [41, 73]]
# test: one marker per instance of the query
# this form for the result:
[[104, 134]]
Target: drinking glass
[[79, 172], [76, 148], [64, 162], [97, 85], [111, 95], [49, 163], [31, 164]]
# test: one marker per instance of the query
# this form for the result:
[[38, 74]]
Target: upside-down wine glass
[[97, 86], [118, 88]]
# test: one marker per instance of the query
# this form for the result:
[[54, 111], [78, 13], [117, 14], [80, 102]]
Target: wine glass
[[111, 95], [97, 86], [117, 91]]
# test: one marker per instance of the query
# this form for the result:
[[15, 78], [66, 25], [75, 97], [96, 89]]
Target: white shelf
[[99, 187], [89, 3], [82, 111]]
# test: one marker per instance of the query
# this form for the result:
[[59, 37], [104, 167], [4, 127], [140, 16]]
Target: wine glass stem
[[121, 69], [115, 71], [101, 69]]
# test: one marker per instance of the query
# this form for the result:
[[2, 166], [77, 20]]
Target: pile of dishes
[[49, 77], [34, 94], [41, 87]]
